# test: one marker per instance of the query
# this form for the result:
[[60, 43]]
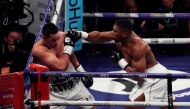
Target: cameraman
[[13, 50]]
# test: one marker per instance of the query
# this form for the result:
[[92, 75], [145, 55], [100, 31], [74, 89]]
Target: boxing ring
[[116, 100], [40, 73]]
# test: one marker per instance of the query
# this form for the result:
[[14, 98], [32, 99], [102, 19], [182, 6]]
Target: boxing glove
[[74, 34], [87, 80], [117, 57], [71, 37], [78, 34], [69, 44]]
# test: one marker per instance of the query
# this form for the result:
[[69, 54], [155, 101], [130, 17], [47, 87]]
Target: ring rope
[[114, 75], [109, 103], [138, 15], [157, 41]]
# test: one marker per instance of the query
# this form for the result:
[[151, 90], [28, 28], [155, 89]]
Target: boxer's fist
[[74, 34], [116, 56], [87, 80], [68, 41], [71, 37], [69, 44]]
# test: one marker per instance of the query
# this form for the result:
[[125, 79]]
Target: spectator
[[130, 6], [8, 49], [168, 27], [186, 5], [14, 50]]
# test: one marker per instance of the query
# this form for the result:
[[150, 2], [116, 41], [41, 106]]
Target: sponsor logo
[[135, 15], [169, 15], [74, 18], [98, 15], [157, 15]]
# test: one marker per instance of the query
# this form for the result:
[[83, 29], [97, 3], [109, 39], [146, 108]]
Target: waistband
[[158, 68]]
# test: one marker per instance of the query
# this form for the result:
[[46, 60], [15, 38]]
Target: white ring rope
[[113, 75], [109, 103], [137, 15], [159, 41], [58, 9]]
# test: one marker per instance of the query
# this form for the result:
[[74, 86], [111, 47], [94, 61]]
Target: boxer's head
[[50, 35], [122, 29]]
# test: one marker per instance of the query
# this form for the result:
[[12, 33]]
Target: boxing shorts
[[59, 84]]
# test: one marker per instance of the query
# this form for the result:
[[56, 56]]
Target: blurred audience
[[168, 27], [130, 6], [186, 5], [147, 28]]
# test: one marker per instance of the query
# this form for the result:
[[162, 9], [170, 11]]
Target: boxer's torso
[[137, 45], [56, 51]]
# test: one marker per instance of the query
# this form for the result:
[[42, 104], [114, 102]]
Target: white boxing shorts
[[154, 90], [78, 92]]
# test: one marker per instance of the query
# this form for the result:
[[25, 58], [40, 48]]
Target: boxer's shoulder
[[138, 47], [61, 35], [37, 49], [138, 42]]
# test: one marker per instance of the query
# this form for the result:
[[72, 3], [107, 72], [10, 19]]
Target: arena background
[[96, 57]]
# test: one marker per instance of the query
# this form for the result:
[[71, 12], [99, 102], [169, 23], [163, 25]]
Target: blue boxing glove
[[118, 58]]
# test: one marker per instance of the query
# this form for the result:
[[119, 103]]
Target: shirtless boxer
[[134, 55], [55, 50]]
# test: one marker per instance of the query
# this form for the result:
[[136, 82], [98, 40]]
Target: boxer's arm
[[76, 63], [74, 60], [118, 58], [51, 61], [96, 36], [137, 65]]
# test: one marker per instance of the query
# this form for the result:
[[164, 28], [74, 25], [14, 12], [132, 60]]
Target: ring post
[[170, 95], [39, 85]]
